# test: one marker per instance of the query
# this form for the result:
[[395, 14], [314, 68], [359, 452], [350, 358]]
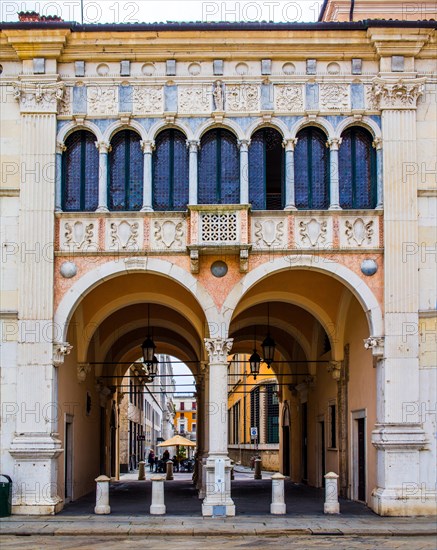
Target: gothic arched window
[[126, 169], [357, 169], [219, 168], [80, 172], [266, 170], [170, 171], [311, 170]]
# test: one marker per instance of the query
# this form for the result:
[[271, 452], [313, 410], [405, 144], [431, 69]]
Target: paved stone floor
[[213, 543]]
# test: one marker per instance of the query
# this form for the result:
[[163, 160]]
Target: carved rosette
[[79, 235], [399, 94], [243, 98], [147, 99], [194, 99], [60, 350], [168, 234], [334, 97], [289, 98], [37, 97], [218, 349], [102, 100], [268, 233]]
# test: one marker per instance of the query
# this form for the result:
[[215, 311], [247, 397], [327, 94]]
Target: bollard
[[257, 474], [102, 495], [169, 467], [141, 470], [157, 508], [331, 505], [278, 503]]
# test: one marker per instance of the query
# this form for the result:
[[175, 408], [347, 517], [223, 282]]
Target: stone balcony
[[224, 229]]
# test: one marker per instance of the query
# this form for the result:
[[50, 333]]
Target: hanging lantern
[[153, 367], [255, 362], [268, 347], [148, 347]]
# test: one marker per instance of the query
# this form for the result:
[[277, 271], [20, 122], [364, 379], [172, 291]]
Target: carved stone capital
[[289, 144], [83, 369], [60, 350], [243, 145], [37, 97], [60, 147], [218, 349], [193, 145], [376, 344], [244, 260], [377, 143], [334, 368], [334, 143], [103, 146], [399, 94], [194, 260], [147, 147]]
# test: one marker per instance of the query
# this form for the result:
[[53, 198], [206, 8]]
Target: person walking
[[151, 459]]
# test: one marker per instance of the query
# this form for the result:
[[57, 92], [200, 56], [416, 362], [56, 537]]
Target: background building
[[206, 184], [185, 420]]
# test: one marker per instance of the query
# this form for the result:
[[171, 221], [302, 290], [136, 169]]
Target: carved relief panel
[[269, 233], [242, 98], [359, 232], [289, 98], [334, 97], [194, 99], [124, 234], [79, 235], [147, 99], [313, 232], [168, 234], [102, 100]]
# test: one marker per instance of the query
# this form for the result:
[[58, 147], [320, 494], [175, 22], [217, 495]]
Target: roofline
[[219, 26], [322, 10]]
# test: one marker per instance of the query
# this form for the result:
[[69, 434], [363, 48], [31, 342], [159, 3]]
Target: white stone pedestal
[[331, 505], [278, 503], [102, 496], [157, 507]]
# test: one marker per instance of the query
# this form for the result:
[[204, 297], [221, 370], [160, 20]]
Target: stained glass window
[[125, 172], [266, 170], [170, 171], [80, 173], [311, 170], [357, 169], [219, 168]]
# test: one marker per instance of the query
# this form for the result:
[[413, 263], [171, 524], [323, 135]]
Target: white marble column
[[60, 149], [377, 144], [193, 147], [147, 147], [334, 189], [104, 149], [290, 198], [218, 464], [403, 454], [244, 170], [35, 446]]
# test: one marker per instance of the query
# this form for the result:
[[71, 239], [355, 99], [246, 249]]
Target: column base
[[290, 207], [102, 209], [395, 502], [335, 207], [278, 508], [45, 509], [157, 509], [218, 501], [331, 508], [146, 209], [218, 510], [102, 510]]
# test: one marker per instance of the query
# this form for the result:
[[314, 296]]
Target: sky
[[149, 11], [181, 368]]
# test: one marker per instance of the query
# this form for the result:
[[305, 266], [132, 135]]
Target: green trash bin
[[5, 496]]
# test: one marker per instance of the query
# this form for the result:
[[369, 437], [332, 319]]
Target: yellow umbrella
[[177, 440]]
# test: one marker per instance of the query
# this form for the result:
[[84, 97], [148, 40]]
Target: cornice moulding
[[37, 43]]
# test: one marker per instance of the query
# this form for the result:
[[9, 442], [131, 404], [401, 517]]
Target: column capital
[[218, 349], [397, 94], [334, 143], [376, 344], [243, 144], [60, 147], [103, 146], [60, 350], [147, 146], [334, 368], [289, 144], [377, 143], [193, 145]]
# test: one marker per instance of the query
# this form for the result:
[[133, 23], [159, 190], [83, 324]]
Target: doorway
[[68, 458], [359, 456]]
